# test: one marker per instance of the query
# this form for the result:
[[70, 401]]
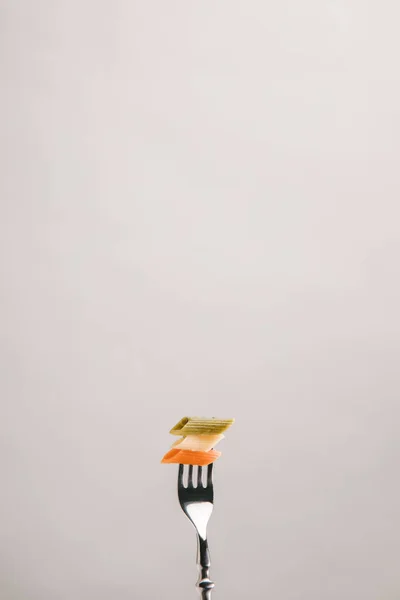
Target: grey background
[[200, 214]]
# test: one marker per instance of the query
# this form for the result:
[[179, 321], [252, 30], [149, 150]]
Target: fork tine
[[195, 476], [180, 476], [190, 477], [200, 477], [209, 474]]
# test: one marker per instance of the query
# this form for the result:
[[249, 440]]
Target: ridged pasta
[[201, 425]]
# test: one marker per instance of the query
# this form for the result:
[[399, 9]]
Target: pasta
[[201, 426], [197, 441], [190, 457], [202, 443]]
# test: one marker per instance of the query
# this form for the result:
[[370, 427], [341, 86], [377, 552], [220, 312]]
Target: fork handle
[[204, 583]]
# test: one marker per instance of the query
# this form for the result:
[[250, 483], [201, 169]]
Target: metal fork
[[196, 501]]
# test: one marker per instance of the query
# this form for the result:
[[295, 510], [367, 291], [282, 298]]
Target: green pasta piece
[[201, 425]]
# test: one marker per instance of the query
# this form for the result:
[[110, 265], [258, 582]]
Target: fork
[[196, 500]]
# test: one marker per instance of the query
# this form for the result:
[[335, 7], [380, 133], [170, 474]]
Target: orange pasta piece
[[190, 457]]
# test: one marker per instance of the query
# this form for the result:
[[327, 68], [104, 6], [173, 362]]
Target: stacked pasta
[[200, 435]]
